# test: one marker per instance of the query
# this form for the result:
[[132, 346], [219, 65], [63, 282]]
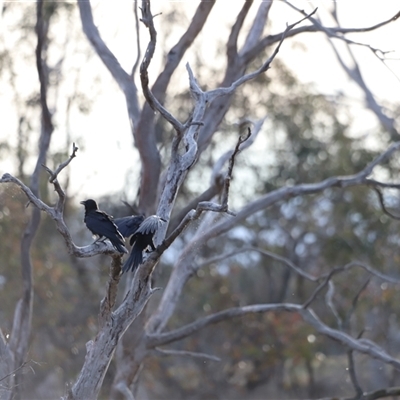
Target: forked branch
[[57, 212]]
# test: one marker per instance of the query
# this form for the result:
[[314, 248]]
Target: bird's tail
[[134, 259], [119, 247]]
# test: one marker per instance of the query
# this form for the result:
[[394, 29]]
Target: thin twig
[[228, 177], [321, 286], [206, 205], [147, 19], [329, 301], [54, 175], [266, 253], [354, 303], [15, 370], [382, 203], [222, 91], [164, 352], [353, 375], [138, 48]]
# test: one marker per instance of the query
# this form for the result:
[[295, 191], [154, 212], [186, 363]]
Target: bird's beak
[[83, 202]]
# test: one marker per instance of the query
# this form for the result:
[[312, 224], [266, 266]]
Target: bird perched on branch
[[141, 240], [128, 225], [101, 225]]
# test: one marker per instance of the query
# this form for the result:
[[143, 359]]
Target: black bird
[[141, 240], [101, 225], [128, 225]]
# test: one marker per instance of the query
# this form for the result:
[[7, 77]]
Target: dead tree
[[190, 140]]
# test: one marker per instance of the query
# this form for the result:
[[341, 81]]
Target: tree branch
[[122, 78], [186, 267], [266, 65], [145, 135], [266, 253], [160, 339], [257, 27], [353, 375], [381, 393], [382, 203], [54, 175], [138, 56], [308, 316], [354, 304], [329, 302], [231, 46], [147, 19], [221, 97], [272, 39], [163, 352], [207, 195], [21, 329], [206, 205], [300, 190], [56, 213], [108, 302]]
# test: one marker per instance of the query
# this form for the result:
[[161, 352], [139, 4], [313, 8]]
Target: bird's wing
[[149, 225], [128, 225], [101, 224]]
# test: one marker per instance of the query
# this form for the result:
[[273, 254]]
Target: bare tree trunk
[[20, 334]]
